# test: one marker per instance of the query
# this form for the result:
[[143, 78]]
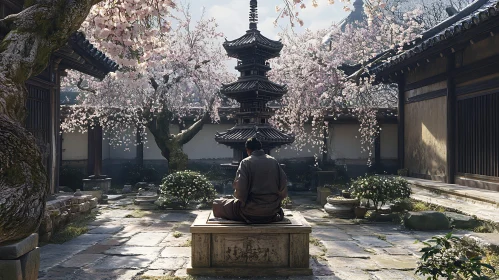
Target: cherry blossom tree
[[318, 87], [167, 71]]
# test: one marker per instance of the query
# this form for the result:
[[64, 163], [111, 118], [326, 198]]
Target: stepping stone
[[81, 260], [177, 217], [130, 262], [396, 262], [54, 254], [330, 234], [394, 275], [146, 239], [168, 263], [372, 241], [348, 263], [397, 251], [133, 251], [347, 249], [87, 239], [106, 229], [176, 252], [117, 241]]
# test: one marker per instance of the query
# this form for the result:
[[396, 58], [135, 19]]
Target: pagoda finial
[[253, 15]]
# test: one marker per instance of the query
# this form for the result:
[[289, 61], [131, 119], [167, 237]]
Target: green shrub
[[71, 177], [185, 187], [380, 190], [451, 257]]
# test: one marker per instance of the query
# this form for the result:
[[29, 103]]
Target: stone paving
[[126, 243]]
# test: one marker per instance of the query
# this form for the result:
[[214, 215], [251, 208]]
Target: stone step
[[483, 211], [453, 191]]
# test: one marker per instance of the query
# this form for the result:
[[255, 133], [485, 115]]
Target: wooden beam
[[94, 166], [90, 152], [451, 119], [401, 121]]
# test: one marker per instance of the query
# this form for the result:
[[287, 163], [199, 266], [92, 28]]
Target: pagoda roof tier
[[261, 85], [252, 38], [268, 135]]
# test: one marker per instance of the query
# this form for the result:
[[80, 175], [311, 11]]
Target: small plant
[[380, 190], [451, 257], [403, 172], [177, 234], [186, 187], [286, 201]]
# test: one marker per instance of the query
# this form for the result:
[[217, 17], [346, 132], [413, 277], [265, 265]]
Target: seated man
[[260, 186]]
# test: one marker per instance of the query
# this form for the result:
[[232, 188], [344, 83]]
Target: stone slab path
[[128, 243]]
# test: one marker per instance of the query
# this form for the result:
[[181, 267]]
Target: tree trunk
[[31, 37], [170, 144]]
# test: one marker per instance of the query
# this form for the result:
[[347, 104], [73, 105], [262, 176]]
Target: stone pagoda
[[253, 90]]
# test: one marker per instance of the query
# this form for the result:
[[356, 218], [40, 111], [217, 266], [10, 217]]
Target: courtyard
[[127, 241], [178, 139]]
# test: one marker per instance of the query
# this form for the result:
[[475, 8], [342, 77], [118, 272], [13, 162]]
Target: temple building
[[43, 102], [449, 99], [253, 90]]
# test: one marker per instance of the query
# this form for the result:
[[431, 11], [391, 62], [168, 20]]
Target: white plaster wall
[[389, 141], [345, 142], [290, 151], [151, 149], [204, 146], [74, 146], [126, 151]]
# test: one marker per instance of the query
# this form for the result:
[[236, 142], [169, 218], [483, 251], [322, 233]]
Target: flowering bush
[[184, 187], [380, 190], [451, 257]]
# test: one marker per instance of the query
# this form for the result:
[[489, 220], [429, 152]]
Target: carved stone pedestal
[[227, 248], [20, 260]]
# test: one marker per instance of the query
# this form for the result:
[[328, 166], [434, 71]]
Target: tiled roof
[[252, 38], [80, 43], [268, 135], [477, 13], [252, 85]]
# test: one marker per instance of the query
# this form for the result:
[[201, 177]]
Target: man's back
[[261, 185]]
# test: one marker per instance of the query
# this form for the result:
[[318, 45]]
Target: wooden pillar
[[94, 166], [57, 126], [377, 153], [140, 149], [401, 123], [451, 119]]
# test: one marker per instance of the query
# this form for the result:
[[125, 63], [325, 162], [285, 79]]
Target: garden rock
[[461, 221], [426, 220]]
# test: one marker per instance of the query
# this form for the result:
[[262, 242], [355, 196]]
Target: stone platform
[[236, 249], [20, 260]]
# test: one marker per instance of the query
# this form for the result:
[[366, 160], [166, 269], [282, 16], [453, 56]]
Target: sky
[[232, 16]]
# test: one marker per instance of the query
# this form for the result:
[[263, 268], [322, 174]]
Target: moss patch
[[74, 229], [419, 206]]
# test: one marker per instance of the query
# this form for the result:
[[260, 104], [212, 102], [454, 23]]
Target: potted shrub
[[185, 187]]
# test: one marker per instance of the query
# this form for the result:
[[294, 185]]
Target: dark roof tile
[[253, 85]]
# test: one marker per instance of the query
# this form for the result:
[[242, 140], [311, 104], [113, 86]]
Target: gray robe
[[259, 187]]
